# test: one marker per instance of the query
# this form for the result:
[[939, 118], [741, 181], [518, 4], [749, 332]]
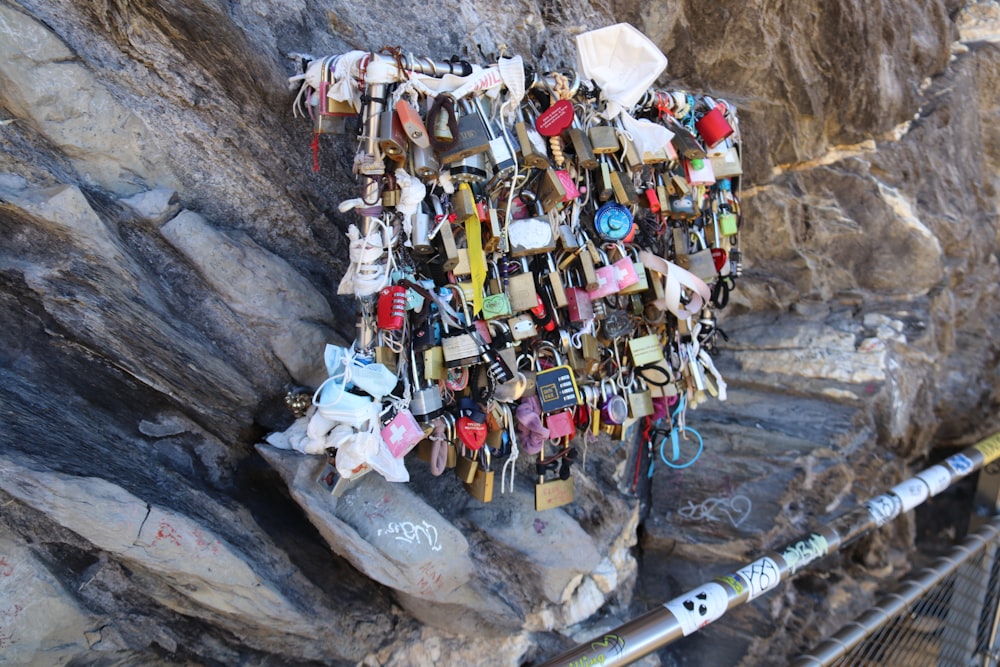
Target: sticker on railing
[[734, 581], [804, 552], [762, 575], [960, 463], [698, 608], [884, 508], [912, 492], [937, 478], [990, 448]]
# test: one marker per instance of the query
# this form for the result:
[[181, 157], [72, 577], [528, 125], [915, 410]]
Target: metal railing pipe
[[893, 604], [688, 613]]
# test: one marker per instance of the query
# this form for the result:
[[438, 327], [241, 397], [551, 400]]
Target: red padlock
[[542, 316], [654, 201], [391, 307], [713, 127], [555, 119]]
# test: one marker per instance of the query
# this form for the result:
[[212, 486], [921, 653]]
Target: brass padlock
[[658, 156], [556, 492], [434, 363], [521, 289], [449, 247], [603, 139], [605, 187], [463, 203], [640, 400], [624, 189], [629, 155], [387, 357], [522, 327], [458, 345], [533, 150], [645, 350], [586, 359], [493, 236], [662, 193], [466, 466], [588, 263], [331, 115], [463, 267], [556, 283], [582, 148], [481, 487], [701, 262], [685, 143], [552, 191]]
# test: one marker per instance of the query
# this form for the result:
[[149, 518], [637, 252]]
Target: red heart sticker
[[471, 432], [555, 119], [721, 257]]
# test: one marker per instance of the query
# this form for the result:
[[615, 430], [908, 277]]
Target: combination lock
[[391, 307]]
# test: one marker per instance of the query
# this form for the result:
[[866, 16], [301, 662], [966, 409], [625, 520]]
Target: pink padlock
[[560, 424], [572, 191], [607, 280], [578, 303], [402, 433], [625, 271]]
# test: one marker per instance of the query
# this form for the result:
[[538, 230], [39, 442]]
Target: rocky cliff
[[169, 263]]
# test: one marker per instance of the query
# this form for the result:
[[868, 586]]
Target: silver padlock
[[420, 233], [423, 162], [426, 403], [500, 155], [460, 347]]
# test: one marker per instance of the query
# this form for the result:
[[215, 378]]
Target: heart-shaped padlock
[[555, 119], [471, 432]]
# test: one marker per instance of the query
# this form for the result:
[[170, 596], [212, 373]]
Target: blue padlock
[[613, 222]]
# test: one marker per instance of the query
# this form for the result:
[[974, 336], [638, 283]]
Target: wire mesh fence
[[946, 615]]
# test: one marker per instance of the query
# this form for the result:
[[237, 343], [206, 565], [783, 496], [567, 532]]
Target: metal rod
[[893, 604], [688, 613]]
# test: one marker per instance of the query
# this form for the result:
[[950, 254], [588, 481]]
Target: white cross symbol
[[619, 274], [396, 433], [601, 281]]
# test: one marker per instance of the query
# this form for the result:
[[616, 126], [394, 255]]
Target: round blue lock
[[613, 222]]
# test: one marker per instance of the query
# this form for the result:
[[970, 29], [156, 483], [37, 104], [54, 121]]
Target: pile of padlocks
[[539, 254]]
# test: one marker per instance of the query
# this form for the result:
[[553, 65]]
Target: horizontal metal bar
[[890, 606], [705, 604]]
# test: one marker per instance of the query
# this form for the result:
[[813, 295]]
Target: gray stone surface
[[39, 621], [267, 291]]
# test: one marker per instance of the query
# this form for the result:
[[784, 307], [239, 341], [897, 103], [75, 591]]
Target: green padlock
[[496, 306], [727, 224]]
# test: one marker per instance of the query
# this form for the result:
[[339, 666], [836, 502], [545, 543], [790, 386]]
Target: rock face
[[169, 265]]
